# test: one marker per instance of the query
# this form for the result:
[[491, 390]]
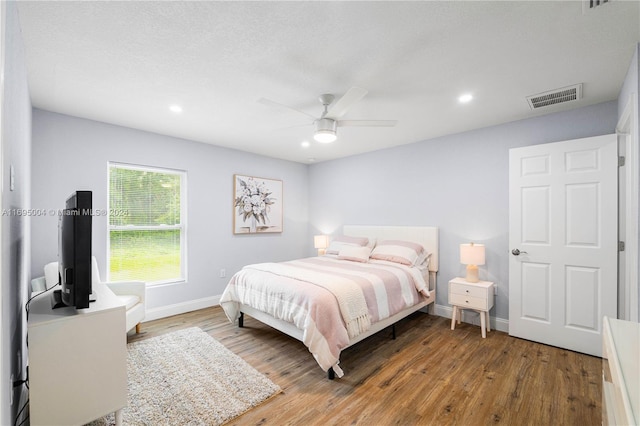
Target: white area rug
[[188, 378]]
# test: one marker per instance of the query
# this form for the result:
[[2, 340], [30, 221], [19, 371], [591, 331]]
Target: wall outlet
[[223, 273]]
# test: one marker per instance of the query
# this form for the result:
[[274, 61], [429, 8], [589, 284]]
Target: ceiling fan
[[327, 124]]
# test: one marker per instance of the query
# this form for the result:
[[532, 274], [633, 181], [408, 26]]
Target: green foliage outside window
[[145, 224], [143, 198], [145, 255]]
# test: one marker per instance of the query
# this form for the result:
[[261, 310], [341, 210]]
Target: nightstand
[[477, 296]]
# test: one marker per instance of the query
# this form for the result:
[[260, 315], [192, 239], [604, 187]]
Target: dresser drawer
[[470, 302], [468, 290]]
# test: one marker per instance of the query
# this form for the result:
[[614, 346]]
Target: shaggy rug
[[188, 378]]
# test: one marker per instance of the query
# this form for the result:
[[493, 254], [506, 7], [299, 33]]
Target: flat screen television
[[74, 252]]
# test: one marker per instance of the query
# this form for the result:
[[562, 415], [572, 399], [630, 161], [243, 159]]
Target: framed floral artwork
[[257, 205]]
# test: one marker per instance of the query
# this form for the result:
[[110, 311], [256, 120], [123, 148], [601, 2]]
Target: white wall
[[72, 153], [631, 81], [16, 151], [458, 183]]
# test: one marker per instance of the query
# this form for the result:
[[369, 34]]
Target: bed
[[319, 300]]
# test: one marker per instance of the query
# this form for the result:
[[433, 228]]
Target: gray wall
[[16, 151], [72, 153], [630, 87], [459, 183]]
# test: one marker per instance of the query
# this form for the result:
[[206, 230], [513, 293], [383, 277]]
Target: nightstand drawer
[[468, 290], [470, 302]]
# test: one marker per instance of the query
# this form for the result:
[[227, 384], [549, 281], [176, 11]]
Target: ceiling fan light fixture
[[325, 131], [325, 136], [465, 98]]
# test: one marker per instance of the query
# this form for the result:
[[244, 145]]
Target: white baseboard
[[181, 308], [472, 317], [446, 311]]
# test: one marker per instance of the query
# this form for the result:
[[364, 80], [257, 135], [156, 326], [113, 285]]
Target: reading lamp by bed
[[321, 242], [472, 255]]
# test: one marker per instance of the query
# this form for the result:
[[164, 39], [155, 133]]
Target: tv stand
[[77, 360]]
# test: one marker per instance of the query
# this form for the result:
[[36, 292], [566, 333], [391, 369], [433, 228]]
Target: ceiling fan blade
[[296, 126], [340, 107], [368, 123], [269, 102]]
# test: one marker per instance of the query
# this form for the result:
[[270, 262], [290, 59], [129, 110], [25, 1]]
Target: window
[[147, 213]]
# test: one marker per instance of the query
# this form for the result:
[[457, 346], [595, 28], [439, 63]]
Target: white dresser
[[620, 372], [77, 360]]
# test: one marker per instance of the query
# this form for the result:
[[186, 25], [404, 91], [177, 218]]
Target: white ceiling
[[126, 62]]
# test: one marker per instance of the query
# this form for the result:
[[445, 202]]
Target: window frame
[[182, 226]]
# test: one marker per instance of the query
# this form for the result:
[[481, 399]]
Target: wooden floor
[[428, 375]]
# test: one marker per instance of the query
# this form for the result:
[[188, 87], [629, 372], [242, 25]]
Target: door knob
[[517, 252]]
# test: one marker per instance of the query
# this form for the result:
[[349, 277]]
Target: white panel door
[[563, 213]]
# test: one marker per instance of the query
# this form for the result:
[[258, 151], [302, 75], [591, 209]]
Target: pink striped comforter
[[291, 295]]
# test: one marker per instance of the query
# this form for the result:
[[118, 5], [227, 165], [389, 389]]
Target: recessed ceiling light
[[175, 108], [311, 160], [467, 97], [305, 144]]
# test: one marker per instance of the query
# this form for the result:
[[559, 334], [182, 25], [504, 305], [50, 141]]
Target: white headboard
[[427, 236]]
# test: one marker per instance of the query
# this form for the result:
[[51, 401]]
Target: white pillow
[[341, 241], [404, 252], [372, 243], [354, 253], [426, 260]]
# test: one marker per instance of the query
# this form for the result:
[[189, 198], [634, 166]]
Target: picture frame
[[257, 205]]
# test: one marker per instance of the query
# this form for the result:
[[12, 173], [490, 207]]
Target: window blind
[[146, 230]]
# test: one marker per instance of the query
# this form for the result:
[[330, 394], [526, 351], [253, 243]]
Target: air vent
[[589, 5], [592, 4], [558, 96]]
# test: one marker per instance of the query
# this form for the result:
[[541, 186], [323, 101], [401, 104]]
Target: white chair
[[132, 294]]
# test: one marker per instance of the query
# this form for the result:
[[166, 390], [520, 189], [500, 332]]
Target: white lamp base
[[322, 252], [472, 274]]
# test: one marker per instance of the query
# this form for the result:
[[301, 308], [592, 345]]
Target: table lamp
[[472, 255], [321, 242]]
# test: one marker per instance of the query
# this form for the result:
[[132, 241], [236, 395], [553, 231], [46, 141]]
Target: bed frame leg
[[331, 374], [241, 320]]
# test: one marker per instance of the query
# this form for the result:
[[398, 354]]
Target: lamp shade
[[321, 241], [472, 254]]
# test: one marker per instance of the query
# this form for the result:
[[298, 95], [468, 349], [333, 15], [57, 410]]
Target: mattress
[[325, 298]]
